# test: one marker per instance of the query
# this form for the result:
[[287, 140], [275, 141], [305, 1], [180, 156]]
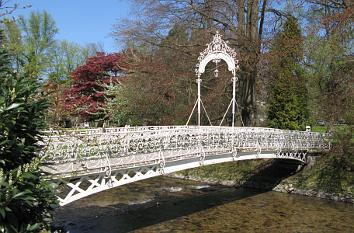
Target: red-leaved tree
[[86, 97]]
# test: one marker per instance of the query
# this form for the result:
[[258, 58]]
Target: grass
[[232, 171], [323, 129]]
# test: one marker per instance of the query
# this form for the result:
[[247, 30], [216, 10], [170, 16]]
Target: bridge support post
[[199, 98], [234, 79]]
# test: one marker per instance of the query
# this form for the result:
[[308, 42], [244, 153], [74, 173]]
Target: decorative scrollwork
[[216, 50], [129, 147], [118, 156]]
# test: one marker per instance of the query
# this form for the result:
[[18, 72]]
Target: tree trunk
[[249, 40], [240, 18]]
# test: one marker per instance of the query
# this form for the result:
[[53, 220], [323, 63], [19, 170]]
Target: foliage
[[241, 22], [86, 97], [7, 8], [36, 52], [288, 94], [25, 200], [332, 76], [158, 88], [30, 42], [120, 108], [139, 99], [66, 57], [329, 51], [333, 172], [22, 115], [330, 72]]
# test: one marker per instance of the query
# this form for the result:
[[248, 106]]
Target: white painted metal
[[93, 160], [217, 50], [199, 100]]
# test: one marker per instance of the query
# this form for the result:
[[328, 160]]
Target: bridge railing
[[79, 145]]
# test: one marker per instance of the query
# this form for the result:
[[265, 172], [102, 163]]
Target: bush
[[25, 200], [333, 172]]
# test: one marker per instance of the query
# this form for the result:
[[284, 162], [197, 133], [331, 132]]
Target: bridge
[[93, 160], [87, 161]]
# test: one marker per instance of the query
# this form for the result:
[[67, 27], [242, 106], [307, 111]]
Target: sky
[[83, 21]]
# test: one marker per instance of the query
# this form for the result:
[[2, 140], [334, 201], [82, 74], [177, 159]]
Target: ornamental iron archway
[[217, 50]]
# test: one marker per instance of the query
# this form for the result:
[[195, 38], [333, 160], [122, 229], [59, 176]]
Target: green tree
[[66, 57], [287, 97], [25, 199], [31, 42], [331, 75]]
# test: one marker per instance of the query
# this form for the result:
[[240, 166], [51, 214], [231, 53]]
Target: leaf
[[33, 227], [20, 194], [2, 213], [12, 106]]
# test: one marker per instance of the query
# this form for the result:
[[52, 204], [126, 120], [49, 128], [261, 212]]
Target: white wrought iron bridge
[[88, 161]]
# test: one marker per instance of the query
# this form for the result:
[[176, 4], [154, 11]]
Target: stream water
[[172, 205]]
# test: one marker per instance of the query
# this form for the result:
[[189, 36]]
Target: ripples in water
[[146, 207]]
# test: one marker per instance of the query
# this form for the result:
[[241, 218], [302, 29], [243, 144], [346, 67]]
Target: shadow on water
[[164, 207], [267, 177]]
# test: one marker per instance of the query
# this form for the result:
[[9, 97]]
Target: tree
[[242, 22], [6, 8], [26, 201], [86, 97], [36, 52], [30, 42], [288, 94], [144, 96], [158, 88], [66, 57], [330, 61]]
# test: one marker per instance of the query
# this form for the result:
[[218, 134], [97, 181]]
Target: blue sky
[[83, 21]]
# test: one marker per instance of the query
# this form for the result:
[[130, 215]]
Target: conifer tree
[[287, 97]]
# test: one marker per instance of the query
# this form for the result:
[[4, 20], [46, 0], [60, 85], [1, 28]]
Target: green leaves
[[287, 99], [12, 106], [30, 41], [25, 200]]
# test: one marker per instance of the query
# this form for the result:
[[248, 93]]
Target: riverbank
[[317, 179]]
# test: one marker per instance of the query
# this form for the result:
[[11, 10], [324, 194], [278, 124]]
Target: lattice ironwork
[[112, 155]]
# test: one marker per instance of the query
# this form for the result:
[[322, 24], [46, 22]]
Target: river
[[173, 205]]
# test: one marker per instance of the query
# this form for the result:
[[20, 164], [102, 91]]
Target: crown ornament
[[217, 46]]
